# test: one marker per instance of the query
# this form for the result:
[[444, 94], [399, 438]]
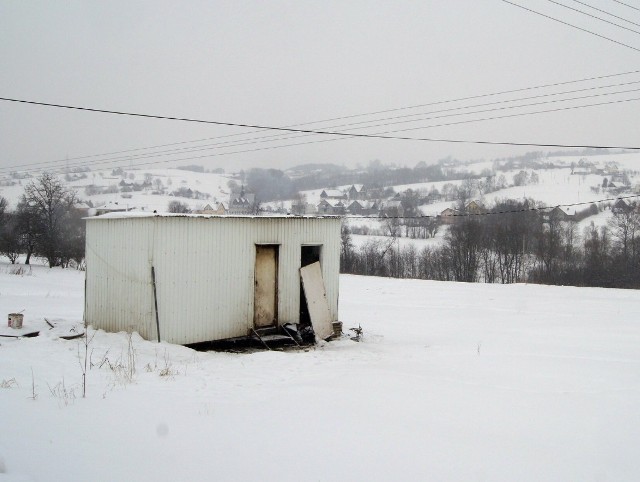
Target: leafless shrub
[[84, 358], [167, 370], [123, 367], [34, 395], [358, 333], [10, 383], [20, 271], [65, 394]]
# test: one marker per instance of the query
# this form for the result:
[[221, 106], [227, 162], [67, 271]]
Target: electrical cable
[[382, 135], [607, 13], [348, 117], [571, 25], [627, 5], [593, 16], [277, 137]]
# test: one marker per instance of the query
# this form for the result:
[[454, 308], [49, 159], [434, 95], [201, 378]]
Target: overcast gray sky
[[289, 62]]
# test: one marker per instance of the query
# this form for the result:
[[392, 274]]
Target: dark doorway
[[308, 255]]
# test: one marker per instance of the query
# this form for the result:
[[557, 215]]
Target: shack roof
[[140, 214]]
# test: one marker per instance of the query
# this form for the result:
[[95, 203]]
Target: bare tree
[[299, 204], [346, 249], [47, 204], [9, 238], [596, 252], [625, 229], [464, 241], [510, 236], [178, 207], [4, 204], [391, 227], [28, 227], [465, 193], [10, 245], [549, 247], [3, 216]]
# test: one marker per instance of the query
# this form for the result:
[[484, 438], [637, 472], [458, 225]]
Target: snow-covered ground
[[556, 186], [627, 160], [452, 381]]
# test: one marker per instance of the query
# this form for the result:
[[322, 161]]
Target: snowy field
[[451, 381]]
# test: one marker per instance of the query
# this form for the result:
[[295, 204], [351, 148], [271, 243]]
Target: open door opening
[[265, 306], [308, 255]]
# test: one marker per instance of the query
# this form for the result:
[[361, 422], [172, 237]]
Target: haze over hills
[[549, 179]]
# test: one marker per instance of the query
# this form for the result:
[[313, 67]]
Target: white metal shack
[[216, 277]]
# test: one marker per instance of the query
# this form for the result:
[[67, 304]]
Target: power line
[[488, 110], [206, 156], [593, 16], [380, 135], [571, 25], [472, 112], [543, 86], [277, 137], [626, 5], [607, 13]]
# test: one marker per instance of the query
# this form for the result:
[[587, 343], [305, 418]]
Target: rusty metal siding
[[204, 272]]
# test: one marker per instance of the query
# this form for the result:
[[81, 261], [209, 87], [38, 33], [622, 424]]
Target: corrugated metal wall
[[204, 272]]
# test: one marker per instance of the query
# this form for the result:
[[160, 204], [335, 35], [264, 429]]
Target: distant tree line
[[377, 174], [269, 184], [521, 246], [274, 184], [46, 224]]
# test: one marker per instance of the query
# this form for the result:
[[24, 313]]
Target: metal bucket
[[15, 320]]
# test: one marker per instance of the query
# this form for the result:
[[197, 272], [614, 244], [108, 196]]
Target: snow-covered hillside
[[555, 185], [565, 183], [565, 180], [162, 182], [451, 381]]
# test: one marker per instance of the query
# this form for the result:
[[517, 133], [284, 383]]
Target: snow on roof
[[333, 192], [141, 214], [332, 202], [568, 210]]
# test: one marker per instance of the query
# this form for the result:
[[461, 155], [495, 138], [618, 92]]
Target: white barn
[[216, 277]]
